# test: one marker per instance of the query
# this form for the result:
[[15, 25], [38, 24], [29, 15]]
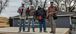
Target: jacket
[[20, 10], [41, 12]]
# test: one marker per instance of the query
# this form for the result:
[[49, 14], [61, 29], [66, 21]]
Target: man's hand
[[51, 13]]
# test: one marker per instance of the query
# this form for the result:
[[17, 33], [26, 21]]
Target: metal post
[[13, 22], [70, 24]]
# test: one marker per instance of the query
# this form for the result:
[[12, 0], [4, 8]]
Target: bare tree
[[2, 5], [30, 1], [66, 3], [44, 4], [36, 3], [70, 8]]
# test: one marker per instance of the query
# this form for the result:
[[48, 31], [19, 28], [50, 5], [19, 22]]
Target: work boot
[[45, 31], [52, 32]]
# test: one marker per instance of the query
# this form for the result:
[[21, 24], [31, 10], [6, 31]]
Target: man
[[27, 15], [32, 11], [10, 21], [22, 21], [41, 15], [51, 13], [31, 18]]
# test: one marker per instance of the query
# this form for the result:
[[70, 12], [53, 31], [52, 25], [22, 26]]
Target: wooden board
[[15, 30], [4, 22]]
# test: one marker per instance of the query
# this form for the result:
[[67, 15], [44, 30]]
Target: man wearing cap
[[31, 17], [52, 10], [21, 11]]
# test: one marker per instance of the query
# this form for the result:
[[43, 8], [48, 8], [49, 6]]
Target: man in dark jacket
[[41, 15]]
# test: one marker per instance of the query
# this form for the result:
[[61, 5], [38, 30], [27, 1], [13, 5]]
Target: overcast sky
[[11, 9]]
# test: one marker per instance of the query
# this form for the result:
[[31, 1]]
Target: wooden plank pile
[[4, 22]]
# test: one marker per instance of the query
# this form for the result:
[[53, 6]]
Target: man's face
[[22, 5], [51, 4]]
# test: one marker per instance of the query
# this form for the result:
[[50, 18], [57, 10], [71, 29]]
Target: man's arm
[[47, 12], [56, 9], [18, 10]]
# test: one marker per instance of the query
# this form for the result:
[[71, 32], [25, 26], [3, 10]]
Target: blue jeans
[[31, 21], [22, 25], [42, 23]]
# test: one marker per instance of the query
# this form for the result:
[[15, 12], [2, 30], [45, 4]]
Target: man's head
[[22, 5], [39, 7], [51, 3], [32, 6]]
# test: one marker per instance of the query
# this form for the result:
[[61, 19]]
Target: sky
[[11, 9]]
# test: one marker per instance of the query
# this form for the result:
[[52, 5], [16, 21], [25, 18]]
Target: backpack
[[40, 14], [40, 17], [54, 16]]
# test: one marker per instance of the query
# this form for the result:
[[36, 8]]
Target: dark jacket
[[27, 12], [41, 12]]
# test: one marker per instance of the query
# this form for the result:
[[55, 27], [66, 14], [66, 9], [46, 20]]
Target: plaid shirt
[[52, 10]]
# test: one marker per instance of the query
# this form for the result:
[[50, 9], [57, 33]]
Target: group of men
[[41, 15]]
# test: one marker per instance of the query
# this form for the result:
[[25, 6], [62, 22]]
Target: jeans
[[22, 25], [42, 23], [31, 21]]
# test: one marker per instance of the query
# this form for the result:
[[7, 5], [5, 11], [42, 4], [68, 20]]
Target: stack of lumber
[[4, 22]]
